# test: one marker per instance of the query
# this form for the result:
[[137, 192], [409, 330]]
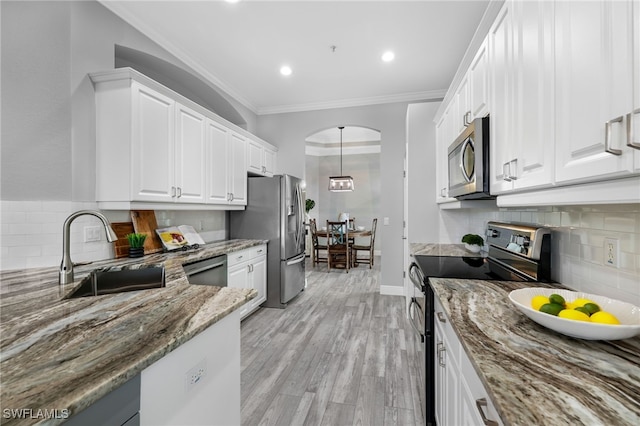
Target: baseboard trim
[[391, 290]]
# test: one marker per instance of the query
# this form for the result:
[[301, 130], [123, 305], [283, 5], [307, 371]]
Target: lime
[[538, 301], [583, 310], [582, 302], [592, 308], [573, 314], [602, 317], [556, 298], [551, 308]]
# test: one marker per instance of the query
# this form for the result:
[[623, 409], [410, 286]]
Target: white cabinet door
[[190, 155], [500, 40], [444, 137], [440, 378], [255, 157], [218, 169], [532, 114], [152, 161], [259, 278], [269, 161], [238, 174], [634, 115], [238, 277], [593, 71], [479, 83], [462, 112]]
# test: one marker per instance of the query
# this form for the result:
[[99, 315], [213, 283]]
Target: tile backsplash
[[578, 243], [31, 231]]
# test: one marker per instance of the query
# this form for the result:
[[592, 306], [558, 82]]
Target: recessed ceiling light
[[388, 56], [232, 1], [285, 70]]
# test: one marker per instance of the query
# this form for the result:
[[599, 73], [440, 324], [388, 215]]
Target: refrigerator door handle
[[295, 260]]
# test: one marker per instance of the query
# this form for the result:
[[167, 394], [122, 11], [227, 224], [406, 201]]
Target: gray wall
[[289, 131], [423, 213], [363, 203], [48, 113]]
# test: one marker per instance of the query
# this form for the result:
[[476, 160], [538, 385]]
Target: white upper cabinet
[[533, 113], [633, 118], [152, 162], [500, 41], [190, 154], [444, 137], [238, 173], [478, 77], [594, 88], [218, 160], [260, 158], [156, 147]]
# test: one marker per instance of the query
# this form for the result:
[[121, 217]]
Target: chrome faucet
[[65, 275]]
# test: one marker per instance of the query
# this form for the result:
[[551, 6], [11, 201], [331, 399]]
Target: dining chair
[[338, 247], [317, 247], [355, 248]]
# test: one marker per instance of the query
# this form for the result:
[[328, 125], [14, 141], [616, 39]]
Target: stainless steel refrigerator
[[275, 212]]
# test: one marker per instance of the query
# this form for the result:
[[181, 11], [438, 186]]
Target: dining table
[[353, 233]]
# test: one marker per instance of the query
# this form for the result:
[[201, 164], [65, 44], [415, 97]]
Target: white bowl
[[627, 314]]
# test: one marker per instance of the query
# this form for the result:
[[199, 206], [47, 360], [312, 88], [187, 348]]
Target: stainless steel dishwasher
[[211, 271]]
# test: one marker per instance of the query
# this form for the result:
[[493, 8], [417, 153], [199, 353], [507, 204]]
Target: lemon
[[556, 298], [582, 302], [551, 308], [538, 301], [572, 314], [570, 305], [602, 317]]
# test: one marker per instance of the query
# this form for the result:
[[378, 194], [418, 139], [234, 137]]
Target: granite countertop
[[436, 249], [65, 354], [533, 375]]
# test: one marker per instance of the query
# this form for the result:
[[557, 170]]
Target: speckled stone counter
[[65, 354], [536, 376], [435, 249]]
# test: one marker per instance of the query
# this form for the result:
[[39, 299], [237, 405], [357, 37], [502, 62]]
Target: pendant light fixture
[[341, 183]]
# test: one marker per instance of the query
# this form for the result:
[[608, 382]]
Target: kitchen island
[[63, 355], [533, 375]]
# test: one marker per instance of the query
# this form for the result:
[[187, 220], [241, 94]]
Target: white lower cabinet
[[460, 397], [198, 382], [248, 269]]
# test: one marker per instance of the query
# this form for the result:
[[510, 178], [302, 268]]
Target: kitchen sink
[[112, 281]]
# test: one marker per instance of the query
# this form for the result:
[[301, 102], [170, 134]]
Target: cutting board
[[121, 246], [144, 222]]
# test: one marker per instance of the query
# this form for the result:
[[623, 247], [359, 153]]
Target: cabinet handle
[[506, 171], [443, 192], [441, 317], [466, 118], [231, 196], [179, 192], [607, 136], [264, 169], [482, 402], [630, 142], [173, 192], [441, 350], [515, 167]]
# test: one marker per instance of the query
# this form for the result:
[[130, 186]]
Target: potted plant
[[309, 205], [136, 244], [473, 242]]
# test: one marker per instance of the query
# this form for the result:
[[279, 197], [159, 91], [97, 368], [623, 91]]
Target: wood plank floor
[[339, 354]]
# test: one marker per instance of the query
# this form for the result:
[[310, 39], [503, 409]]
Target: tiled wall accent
[[578, 240], [31, 231]]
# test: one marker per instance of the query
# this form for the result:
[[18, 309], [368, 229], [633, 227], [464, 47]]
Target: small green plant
[[136, 240], [473, 239], [309, 205]]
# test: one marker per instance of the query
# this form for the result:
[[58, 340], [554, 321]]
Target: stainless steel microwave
[[469, 172]]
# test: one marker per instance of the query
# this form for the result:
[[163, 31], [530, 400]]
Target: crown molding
[[429, 95], [225, 89]]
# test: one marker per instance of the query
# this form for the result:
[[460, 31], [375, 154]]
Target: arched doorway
[[360, 159]]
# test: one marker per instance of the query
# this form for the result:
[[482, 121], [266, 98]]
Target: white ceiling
[[240, 47]]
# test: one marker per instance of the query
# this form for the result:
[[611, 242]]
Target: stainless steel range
[[517, 252]]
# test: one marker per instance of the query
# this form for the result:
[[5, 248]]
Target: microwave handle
[[462, 151]]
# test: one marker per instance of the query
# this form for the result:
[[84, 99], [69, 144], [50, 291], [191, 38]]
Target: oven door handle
[[412, 320], [417, 279]]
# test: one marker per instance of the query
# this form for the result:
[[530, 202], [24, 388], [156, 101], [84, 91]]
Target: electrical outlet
[[91, 233], [611, 252], [195, 375]]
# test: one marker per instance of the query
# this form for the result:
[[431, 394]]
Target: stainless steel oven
[[422, 305], [468, 168]]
